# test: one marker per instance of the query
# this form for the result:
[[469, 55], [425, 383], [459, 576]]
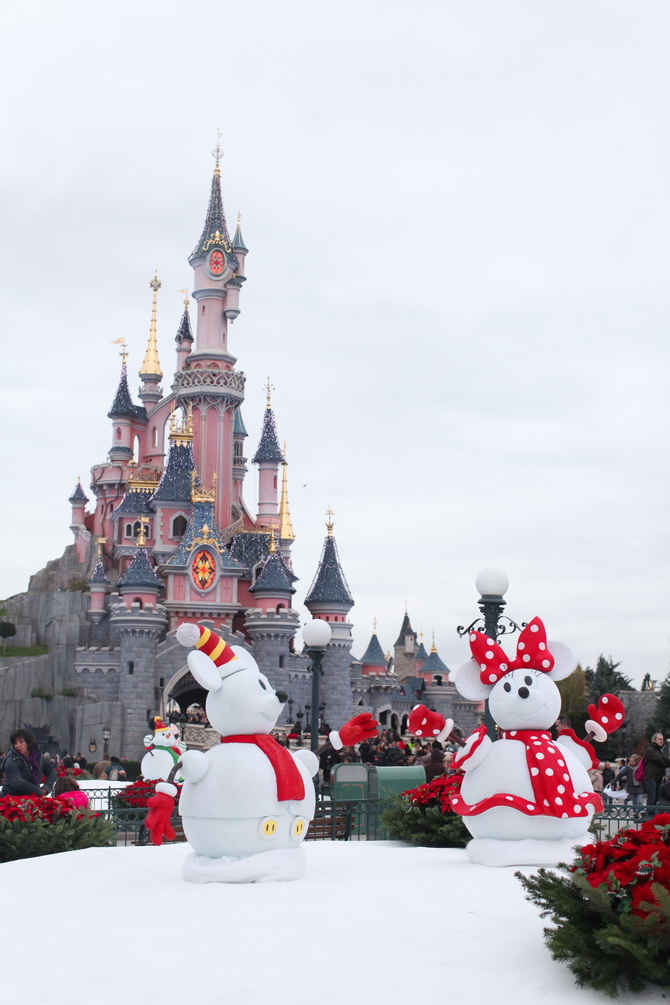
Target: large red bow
[[531, 652]]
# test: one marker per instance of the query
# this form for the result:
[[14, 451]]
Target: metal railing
[[615, 818]]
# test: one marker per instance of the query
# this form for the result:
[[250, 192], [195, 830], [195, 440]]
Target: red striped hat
[[207, 641]]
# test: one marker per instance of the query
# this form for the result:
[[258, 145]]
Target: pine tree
[[660, 721], [606, 679]]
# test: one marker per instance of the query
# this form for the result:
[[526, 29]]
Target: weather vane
[[186, 300], [123, 351], [217, 152]]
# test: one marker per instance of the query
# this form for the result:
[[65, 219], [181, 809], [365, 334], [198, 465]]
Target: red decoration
[[361, 727], [531, 653], [158, 818], [609, 714], [289, 780], [203, 570], [632, 867], [217, 263], [423, 722]]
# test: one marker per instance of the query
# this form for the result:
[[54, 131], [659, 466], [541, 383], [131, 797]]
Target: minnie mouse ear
[[468, 682], [565, 660]]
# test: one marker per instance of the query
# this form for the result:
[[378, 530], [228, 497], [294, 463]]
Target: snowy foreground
[[375, 922]]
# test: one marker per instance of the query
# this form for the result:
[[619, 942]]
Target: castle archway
[[184, 690]]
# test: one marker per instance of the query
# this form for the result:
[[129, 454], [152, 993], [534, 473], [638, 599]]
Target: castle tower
[[373, 660], [208, 381], [329, 598], [171, 501], [138, 621], [184, 336], [98, 584], [268, 457], [421, 655], [78, 501], [405, 648], [150, 371], [434, 670]]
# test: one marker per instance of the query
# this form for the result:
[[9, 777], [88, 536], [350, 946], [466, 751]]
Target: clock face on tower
[[217, 263]]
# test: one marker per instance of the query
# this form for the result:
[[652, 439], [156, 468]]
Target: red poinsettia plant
[[27, 808], [631, 867], [438, 791], [138, 793], [79, 773]]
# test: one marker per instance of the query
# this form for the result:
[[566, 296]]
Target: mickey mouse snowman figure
[[525, 798], [246, 803]]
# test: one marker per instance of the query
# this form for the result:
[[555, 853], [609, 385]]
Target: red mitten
[[157, 820], [606, 718], [423, 722], [361, 727]]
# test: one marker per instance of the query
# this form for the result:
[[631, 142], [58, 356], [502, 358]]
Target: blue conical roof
[[184, 332], [329, 586], [215, 221], [122, 406], [374, 654], [140, 572], [434, 664], [99, 575], [78, 495], [274, 576], [268, 448], [175, 483]]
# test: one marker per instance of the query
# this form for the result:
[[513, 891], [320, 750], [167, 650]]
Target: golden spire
[[217, 152], [123, 351], [285, 527], [151, 365], [142, 537], [433, 648], [329, 521], [272, 548], [269, 388], [100, 541]]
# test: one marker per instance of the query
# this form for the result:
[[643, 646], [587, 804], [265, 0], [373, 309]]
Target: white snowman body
[[239, 829], [162, 752], [522, 700]]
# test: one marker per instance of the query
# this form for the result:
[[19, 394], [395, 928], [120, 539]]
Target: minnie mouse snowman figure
[[525, 798]]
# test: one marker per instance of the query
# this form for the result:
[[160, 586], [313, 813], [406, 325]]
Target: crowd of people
[[651, 782]]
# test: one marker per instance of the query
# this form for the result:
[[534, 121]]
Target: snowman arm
[[474, 751], [582, 750], [193, 766], [309, 759]]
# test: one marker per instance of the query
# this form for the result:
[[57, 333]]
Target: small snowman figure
[[526, 798], [163, 750], [247, 802]]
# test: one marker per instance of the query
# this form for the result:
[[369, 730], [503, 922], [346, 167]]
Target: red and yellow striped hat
[[207, 641]]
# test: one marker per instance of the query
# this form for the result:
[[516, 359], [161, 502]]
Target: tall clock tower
[[209, 382]]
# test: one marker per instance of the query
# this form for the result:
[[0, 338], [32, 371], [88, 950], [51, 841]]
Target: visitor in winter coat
[[27, 772], [435, 766], [68, 791], [655, 764], [627, 776]]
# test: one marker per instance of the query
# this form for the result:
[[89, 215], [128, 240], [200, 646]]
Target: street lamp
[[492, 585], [316, 635], [106, 733]]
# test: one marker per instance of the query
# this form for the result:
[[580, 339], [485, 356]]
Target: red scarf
[[553, 792], [289, 780]]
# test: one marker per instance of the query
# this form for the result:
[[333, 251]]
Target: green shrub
[[39, 692], [69, 692], [612, 909], [424, 816], [35, 825]]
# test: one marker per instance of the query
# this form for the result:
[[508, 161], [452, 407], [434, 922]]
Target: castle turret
[[150, 371], [434, 670], [329, 598], [208, 380], [239, 460], [140, 584], [405, 648], [123, 413], [421, 655], [184, 336], [171, 501], [78, 501], [273, 588], [373, 660], [268, 457], [98, 584]]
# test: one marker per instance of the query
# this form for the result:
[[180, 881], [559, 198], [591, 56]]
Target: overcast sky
[[458, 222]]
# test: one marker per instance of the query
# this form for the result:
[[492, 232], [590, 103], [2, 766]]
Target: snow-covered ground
[[377, 922]]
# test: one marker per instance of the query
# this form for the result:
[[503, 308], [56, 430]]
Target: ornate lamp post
[[106, 733], [492, 585], [317, 635]]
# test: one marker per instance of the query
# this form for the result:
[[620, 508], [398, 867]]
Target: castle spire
[[184, 336], [268, 457], [215, 231], [329, 590], [150, 371], [238, 240], [285, 528]]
